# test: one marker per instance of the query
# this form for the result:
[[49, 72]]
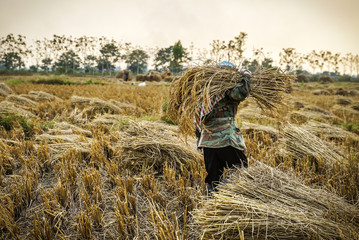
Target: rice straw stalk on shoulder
[[199, 84]]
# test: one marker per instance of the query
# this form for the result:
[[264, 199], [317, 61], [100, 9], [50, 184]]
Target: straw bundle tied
[[261, 202], [198, 85], [150, 146], [300, 143], [5, 90]]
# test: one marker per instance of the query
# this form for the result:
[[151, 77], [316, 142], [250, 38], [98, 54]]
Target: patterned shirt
[[219, 126]]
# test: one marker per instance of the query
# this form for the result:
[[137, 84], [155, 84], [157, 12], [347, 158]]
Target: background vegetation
[[101, 56]]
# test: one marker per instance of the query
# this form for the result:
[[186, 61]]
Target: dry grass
[[148, 146], [5, 90], [21, 101], [265, 203], [107, 175]]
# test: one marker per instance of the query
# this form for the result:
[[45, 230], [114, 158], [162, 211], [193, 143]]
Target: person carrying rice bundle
[[204, 101], [217, 131]]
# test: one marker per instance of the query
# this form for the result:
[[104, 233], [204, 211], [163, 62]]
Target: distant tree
[[356, 62], [58, 45], [290, 59], [327, 56], [85, 46], [179, 56], [13, 51], [267, 63], [312, 59], [349, 63], [335, 62], [137, 61], [163, 58], [37, 52], [12, 60], [238, 46], [33, 68], [261, 60], [254, 65], [218, 50], [68, 60], [109, 55], [46, 64], [231, 51], [90, 63], [104, 65]]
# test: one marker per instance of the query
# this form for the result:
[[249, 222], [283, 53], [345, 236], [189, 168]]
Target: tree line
[[100, 55]]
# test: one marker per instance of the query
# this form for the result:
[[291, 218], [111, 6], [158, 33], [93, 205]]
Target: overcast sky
[[270, 24]]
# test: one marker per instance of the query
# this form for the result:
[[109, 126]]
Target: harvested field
[[97, 162]]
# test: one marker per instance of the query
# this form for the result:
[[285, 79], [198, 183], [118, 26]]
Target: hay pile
[[346, 111], [80, 102], [252, 128], [145, 145], [298, 117], [300, 144], [40, 96], [199, 84], [355, 106], [343, 101], [313, 113], [320, 92], [330, 132], [262, 202], [5, 90], [63, 138], [152, 76], [9, 107], [249, 111], [110, 120], [129, 108], [21, 101], [98, 106], [64, 128], [122, 74], [92, 106]]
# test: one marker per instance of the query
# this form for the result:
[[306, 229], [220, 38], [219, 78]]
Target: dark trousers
[[216, 159]]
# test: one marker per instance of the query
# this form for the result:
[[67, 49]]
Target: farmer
[[127, 75], [218, 135]]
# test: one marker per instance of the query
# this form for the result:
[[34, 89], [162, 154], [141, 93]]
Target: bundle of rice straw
[[199, 84], [330, 132], [9, 107], [39, 96], [261, 202], [5, 90], [300, 143], [21, 101], [149, 145]]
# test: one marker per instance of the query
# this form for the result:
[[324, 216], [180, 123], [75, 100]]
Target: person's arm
[[242, 89]]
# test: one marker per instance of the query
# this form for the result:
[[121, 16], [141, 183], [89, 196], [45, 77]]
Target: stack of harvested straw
[[330, 132], [300, 143], [262, 202], [199, 84], [4, 90], [40, 96], [147, 146], [21, 101], [9, 107]]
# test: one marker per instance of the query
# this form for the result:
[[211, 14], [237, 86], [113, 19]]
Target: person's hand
[[246, 80]]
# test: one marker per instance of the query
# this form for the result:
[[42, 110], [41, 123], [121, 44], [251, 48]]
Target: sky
[[306, 25]]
